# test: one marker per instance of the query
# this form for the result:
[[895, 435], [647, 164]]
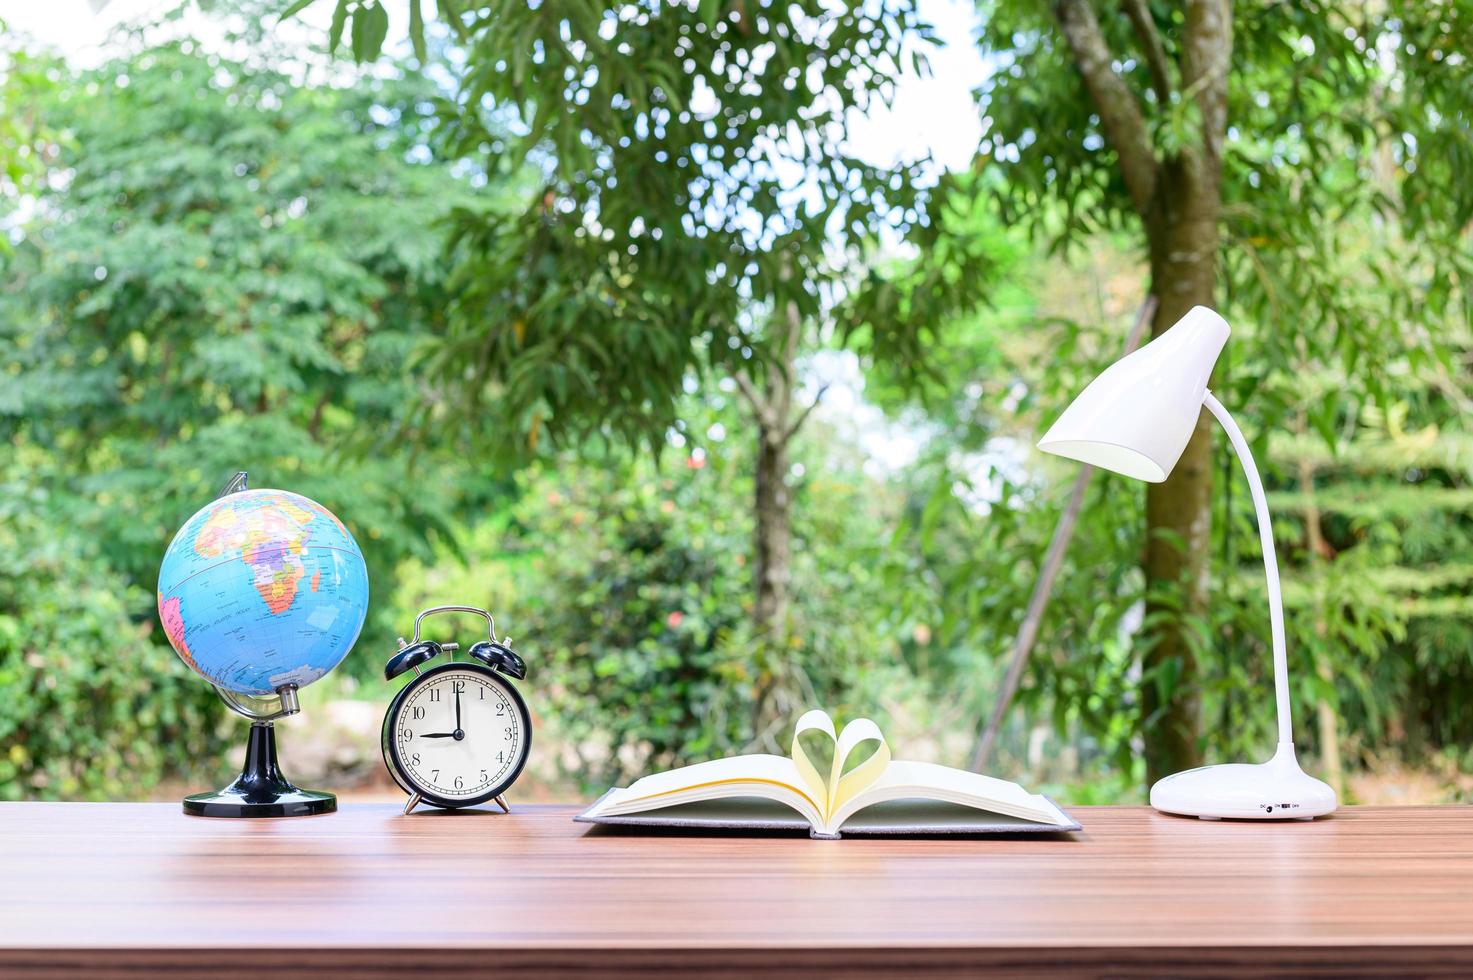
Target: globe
[[262, 589]]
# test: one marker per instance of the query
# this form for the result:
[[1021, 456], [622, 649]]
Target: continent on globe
[[262, 589], [174, 628], [271, 543]]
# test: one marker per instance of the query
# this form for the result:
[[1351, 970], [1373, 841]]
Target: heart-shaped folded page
[[839, 787]]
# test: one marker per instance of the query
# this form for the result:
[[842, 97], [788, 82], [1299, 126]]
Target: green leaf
[[450, 13], [370, 27], [417, 30], [335, 29], [294, 9]]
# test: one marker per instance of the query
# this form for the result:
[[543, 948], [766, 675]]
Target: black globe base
[[260, 790]]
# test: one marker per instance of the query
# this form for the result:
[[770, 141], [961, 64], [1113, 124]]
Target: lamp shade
[[1136, 417]]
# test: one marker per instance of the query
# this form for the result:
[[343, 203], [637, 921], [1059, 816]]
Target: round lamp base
[[260, 790], [1276, 790]]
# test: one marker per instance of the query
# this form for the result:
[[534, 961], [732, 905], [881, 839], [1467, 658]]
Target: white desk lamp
[[1135, 419]]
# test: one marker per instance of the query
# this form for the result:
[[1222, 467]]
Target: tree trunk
[[774, 531], [776, 423], [1179, 200], [771, 572], [772, 409], [1182, 229]]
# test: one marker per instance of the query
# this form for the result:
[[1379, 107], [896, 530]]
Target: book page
[[924, 780], [845, 786], [731, 813], [911, 816], [809, 780], [832, 792], [770, 777]]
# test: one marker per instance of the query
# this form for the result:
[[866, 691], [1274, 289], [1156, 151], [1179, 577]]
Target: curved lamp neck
[[1270, 564]]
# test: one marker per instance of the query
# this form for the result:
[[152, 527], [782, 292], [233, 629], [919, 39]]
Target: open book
[[859, 795]]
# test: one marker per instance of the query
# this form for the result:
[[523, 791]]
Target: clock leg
[[501, 802], [413, 802]]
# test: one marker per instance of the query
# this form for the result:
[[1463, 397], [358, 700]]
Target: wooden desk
[[142, 889]]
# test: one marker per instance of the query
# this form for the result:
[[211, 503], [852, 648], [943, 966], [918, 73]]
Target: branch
[[794, 333], [760, 408], [747, 389], [1120, 115], [803, 416], [1156, 61], [1053, 560]]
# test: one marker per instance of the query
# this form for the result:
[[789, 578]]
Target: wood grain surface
[[141, 889]]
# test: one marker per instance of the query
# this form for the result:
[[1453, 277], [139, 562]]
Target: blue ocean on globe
[[261, 589]]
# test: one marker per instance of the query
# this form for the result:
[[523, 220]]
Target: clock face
[[460, 735]]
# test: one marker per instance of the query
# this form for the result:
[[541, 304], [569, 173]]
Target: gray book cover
[[897, 818]]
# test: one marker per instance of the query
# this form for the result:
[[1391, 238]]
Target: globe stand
[[260, 790]]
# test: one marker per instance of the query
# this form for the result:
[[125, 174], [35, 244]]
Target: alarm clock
[[458, 734]]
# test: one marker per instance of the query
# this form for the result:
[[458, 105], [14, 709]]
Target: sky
[[933, 115]]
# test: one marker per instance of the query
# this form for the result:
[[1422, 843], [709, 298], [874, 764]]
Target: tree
[[232, 275], [696, 213], [1246, 148], [24, 134], [1238, 142], [97, 710], [632, 573], [1380, 593]]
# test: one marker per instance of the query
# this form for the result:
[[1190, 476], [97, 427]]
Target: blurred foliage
[[698, 213], [1382, 594], [694, 185], [25, 82], [254, 262], [1378, 613], [1350, 137], [96, 707], [625, 584], [229, 270], [233, 275], [639, 639], [1343, 257]]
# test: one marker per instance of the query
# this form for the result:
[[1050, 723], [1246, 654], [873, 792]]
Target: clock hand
[[440, 735], [457, 710]]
